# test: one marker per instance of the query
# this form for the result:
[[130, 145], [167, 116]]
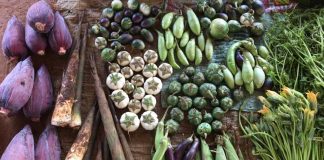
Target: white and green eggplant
[[123, 58], [150, 70], [148, 102], [153, 86], [139, 93], [165, 70], [134, 106], [120, 98], [149, 120], [127, 72], [137, 80], [129, 121], [150, 56], [137, 64], [113, 67], [115, 81], [238, 78], [128, 87]]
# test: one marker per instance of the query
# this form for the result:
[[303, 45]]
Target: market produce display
[[201, 64]]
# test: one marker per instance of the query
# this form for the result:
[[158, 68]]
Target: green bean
[[201, 41], [209, 49], [159, 133], [190, 49], [169, 39], [220, 153], [228, 77], [205, 151], [163, 53], [193, 22], [171, 58], [163, 146], [230, 57], [247, 71], [178, 27], [184, 39], [198, 56], [229, 149], [182, 57], [167, 20], [249, 56]]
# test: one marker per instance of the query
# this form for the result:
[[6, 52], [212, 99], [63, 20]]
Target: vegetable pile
[[296, 46], [286, 129], [128, 82], [205, 96], [41, 23], [125, 25], [248, 66], [238, 14]]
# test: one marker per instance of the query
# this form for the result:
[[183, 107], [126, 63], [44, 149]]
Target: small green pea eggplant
[[138, 44], [116, 45], [210, 12], [133, 4], [116, 5], [108, 13], [118, 16], [149, 22], [137, 18], [104, 22], [145, 9], [108, 54], [126, 23], [135, 30], [147, 35], [205, 22], [125, 38]]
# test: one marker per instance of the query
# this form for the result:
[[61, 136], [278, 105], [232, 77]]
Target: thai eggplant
[[60, 38], [16, 88], [35, 41], [41, 98], [48, 145], [40, 17], [13, 41], [21, 147]]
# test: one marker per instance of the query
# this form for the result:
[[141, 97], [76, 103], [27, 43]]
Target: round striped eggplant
[[13, 41], [40, 16], [60, 38], [41, 98], [35, 41]]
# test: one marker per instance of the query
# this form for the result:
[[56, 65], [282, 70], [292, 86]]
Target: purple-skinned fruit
[[41, 98], [21, 146], [48, 145], [13, 40], [60, 38], [36, 42], [40, 17], [16, 88]]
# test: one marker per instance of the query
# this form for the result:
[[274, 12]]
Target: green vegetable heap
[[205, 96]]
